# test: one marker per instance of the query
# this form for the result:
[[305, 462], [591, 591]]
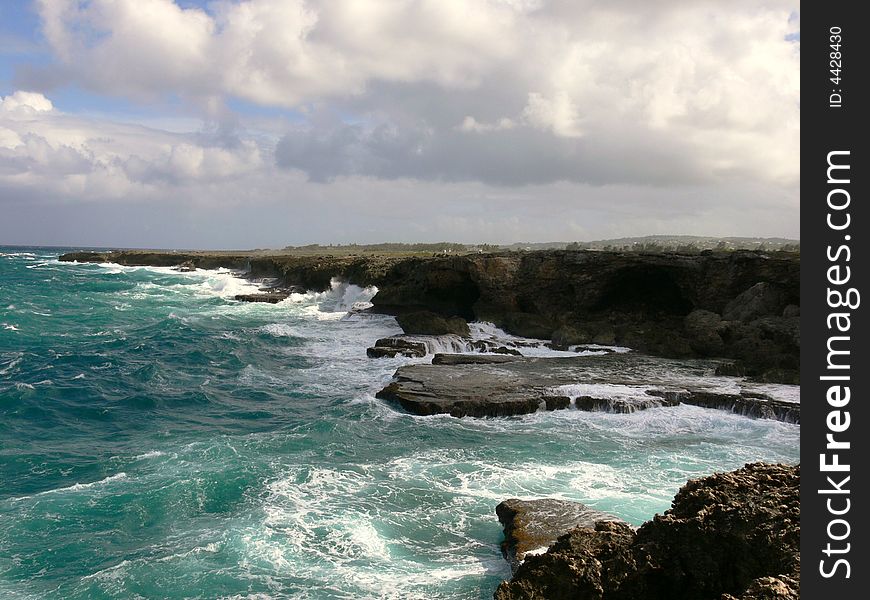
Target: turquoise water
[[159, 440]]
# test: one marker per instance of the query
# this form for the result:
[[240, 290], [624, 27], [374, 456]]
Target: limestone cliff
[[742, 305]]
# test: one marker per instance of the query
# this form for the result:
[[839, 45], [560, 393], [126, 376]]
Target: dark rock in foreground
[[493, 385], [530, 525], [728, 536]]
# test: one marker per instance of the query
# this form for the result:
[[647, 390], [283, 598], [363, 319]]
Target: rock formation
[[532, 525], [268, 297], [490, 385], [727, 536], [396, 346], [741, 305], [428, 323]]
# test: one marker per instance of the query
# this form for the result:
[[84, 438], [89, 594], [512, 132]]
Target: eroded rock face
[[582, 565], [761, 300], [633, 299], [726, 536]]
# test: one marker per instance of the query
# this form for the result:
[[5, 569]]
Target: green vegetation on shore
[[654, 243]]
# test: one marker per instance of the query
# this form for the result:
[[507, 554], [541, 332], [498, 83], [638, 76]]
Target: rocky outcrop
[[726, 536], [186, 267], [651, 302], [761, 300], [392, 347], [533, 525], [493, 385]]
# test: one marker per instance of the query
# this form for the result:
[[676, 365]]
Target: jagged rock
[[580, 565], [428, 323], [770, 588], [533, 525], [769, 344], [729, 535]]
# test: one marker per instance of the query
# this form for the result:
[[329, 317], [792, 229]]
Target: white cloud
[[277, 52], [716, 84], [25, 102], [469, 123], [558, 114], [90, 159], [594, 112]]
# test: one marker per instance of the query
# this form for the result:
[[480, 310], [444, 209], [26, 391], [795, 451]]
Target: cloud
[[91, 159], [341, 120], [715, 85], [25, 102], [469, 123], [276, 52]]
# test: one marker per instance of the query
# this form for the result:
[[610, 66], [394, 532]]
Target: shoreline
[[740, 305], [488, 359]]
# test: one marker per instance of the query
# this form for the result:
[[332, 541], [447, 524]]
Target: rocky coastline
[[713, 330], [727, 536], [492, 385], [741, 305]]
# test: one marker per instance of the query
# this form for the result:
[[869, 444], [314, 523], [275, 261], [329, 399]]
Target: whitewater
[[159, 439]]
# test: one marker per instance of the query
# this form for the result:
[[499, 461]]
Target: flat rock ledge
[[268, 297], [729, 536], [532, 526], [392, 347], [500, 386]]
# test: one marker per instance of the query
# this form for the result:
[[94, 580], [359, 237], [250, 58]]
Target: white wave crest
[[280, 330]]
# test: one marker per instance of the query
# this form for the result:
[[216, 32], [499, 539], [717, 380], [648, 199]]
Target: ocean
[[160, 440]]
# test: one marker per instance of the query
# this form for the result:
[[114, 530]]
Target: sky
[[267, 123]]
